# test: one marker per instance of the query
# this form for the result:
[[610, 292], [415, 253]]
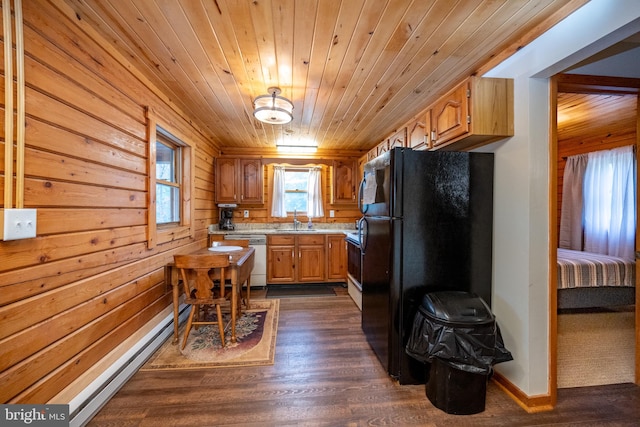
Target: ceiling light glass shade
[[273, 109]]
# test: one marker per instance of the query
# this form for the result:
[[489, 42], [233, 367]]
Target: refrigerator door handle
[[360, 196], [362, 234]]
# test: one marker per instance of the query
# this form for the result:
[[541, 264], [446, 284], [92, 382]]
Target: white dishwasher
[[259, 243]]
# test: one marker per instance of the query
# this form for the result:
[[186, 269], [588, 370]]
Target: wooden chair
[[198, 287], [245, 244]]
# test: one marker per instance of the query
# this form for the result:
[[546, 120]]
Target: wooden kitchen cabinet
[[239, 181], [344, 181], [336, 257], [281, 259], [478, 111], [398, 139], [311, 258], [419, 137], [382, 147], [296, 258]]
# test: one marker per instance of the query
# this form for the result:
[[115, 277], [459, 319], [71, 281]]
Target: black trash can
[[456, 336]]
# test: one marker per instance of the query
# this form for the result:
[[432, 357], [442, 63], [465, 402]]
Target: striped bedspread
[[585, 269]]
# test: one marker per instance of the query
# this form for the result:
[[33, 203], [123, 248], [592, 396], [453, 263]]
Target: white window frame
[[297, 169]]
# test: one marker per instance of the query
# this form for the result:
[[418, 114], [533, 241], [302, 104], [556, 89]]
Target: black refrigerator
[[426, 226]]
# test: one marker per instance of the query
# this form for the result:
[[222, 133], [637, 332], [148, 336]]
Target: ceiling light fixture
[[273, 109], [298, 149], [288, 143]]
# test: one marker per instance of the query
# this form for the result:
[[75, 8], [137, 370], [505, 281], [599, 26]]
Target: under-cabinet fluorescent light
[[297, 148]]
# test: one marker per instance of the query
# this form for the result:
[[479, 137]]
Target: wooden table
[[239, 270]]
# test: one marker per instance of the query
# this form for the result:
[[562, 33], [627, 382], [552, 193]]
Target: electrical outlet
[[331, 213], [246, 213], [19, 224]]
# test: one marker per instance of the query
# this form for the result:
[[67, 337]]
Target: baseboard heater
[[87, 403]]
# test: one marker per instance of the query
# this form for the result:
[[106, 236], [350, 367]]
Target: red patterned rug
[[256, 331]]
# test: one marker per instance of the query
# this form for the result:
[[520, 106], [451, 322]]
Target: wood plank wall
[[88, 281], [593, 122]]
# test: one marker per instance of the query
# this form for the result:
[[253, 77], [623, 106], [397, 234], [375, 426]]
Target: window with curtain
[[297, 190], [599, 203]]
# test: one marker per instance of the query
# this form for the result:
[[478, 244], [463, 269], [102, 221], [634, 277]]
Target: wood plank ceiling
[[356, 70], [582, 114]]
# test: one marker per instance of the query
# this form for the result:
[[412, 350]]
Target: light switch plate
[[19, 224], [331, 213]]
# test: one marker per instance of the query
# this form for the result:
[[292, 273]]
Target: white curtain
[[609, 202], [314, 194], [278, 208], [571, 210]]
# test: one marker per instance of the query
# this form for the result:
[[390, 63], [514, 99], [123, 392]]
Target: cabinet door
[[451, 115], [383, 147], [420, 133], [336, 257], [310, 264], [398, 139], [226, 180], [251, 181], [280, 263], [344, 185]]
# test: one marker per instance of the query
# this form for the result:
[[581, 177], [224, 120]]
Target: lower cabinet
[[281, 259], [336, 258], [306, 258]]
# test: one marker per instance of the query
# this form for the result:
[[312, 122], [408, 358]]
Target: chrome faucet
[[295, 220]]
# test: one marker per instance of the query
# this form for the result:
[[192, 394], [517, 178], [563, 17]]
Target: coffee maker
[[226, 216]]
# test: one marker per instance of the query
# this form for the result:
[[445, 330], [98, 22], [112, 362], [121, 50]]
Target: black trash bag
[[502, 354], [473, 348]]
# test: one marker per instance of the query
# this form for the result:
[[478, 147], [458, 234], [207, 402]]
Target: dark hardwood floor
[[325, 374]]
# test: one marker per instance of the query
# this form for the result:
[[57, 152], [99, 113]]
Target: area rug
[[595, 349], [293, 291], [256, 331]]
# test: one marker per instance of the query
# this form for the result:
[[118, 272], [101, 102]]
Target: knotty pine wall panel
[[87, 282]]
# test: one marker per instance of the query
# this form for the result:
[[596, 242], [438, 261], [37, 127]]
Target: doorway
[[618, 99]]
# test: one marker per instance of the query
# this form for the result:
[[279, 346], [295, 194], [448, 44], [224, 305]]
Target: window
[[170, 185], [598, 203], [295, 190], [610, 203], [168, 181]]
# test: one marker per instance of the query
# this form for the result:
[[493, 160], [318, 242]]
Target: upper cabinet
[[239, 180], [398, 139], [344, 180], [477, 112], [419, 134]]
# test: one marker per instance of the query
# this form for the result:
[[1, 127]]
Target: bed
[[589, 280]]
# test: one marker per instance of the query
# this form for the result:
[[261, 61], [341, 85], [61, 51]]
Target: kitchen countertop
[[302, 230]]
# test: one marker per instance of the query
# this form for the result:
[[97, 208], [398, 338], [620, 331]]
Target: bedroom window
[[599, 205], [610, 203]]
